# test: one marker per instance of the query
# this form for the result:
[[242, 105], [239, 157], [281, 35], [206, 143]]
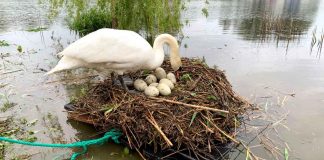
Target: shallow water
[[258, 63]]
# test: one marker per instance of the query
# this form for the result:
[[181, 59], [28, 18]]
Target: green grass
[[91, 20], [186, 77], [286, 154]]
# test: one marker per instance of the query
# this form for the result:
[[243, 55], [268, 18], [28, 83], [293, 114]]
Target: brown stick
[[194, 85], [153, 122], [220, 130], [141, 155], [11, 71], [208, 129], [231, 138], [191, 105]]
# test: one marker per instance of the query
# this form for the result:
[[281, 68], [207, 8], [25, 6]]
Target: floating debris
[[4, 43], [19, 48]]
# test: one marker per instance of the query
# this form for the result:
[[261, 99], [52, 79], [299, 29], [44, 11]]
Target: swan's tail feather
[[64, 64], [55, 69]]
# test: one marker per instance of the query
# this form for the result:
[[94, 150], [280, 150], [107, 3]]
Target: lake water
[[264, 65]]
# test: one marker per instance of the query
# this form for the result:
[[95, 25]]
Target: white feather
[[116, 50]]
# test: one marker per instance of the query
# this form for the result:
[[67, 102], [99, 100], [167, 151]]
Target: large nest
[[201, 113]]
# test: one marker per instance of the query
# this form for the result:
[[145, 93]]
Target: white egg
[[140, 85], [151, 91], [167, 82], [150, 79], [171, 77], [154, 84], [160, 73], [164, 89]]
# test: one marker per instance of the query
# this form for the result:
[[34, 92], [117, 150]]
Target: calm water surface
[[258, 62]]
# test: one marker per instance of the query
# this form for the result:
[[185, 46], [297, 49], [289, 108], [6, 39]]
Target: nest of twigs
[[201, 113]]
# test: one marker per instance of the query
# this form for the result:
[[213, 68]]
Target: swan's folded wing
[[109, 45]]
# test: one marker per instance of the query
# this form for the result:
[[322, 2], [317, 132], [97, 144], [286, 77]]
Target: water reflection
[[264, 21]]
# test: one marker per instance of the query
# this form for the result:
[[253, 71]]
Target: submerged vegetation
[[267, 27]]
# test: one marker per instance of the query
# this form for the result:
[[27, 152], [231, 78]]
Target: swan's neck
[[158, 51]]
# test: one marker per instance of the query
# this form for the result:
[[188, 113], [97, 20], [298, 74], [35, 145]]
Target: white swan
[[119, 51]]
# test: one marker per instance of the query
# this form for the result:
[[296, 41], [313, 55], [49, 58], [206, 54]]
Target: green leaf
[[248, 156], [211, 97], [109, 108], [186, 77], [193, 118], [146, 72], [286, 154]]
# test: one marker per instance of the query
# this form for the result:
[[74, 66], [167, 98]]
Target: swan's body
[[119, 51]]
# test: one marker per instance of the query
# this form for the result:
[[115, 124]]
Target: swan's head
[[175, 59]]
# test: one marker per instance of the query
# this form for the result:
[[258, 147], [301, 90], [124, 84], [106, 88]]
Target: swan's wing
[[109, 45]]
